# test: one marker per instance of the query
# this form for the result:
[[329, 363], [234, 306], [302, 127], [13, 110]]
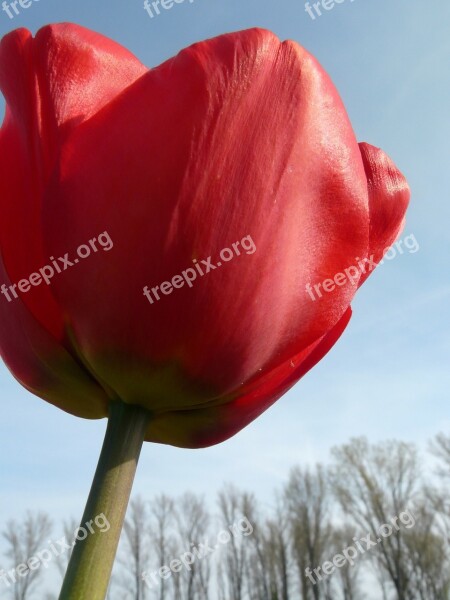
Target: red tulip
[[237, 138]]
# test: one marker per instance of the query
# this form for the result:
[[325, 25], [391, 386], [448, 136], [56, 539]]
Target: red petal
[[388, 200], [42, 365], [79, 71], [50, 84], [236, 136], [208, 426]]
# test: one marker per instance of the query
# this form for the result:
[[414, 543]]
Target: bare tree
[[308, 500], [279, 553], [429, 563], [162, 522], [345, 580], [429, 543], [69, 527], [440, 447], [269, 562], [440, 497], [260, 573], [134, 550], [24, 540], [233, 505], [374, 484], [193, 520]]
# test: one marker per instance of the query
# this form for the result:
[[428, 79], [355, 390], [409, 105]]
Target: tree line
[[374, 522]]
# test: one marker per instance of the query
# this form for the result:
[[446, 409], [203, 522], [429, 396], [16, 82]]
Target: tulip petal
[[237, 136], [42, 365], [50, 83], [208, 426], [388, 200], [79, 71]]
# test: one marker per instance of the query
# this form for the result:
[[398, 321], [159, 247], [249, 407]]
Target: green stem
[[90, 565]]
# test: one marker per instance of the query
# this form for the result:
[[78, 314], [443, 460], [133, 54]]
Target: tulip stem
[[92, 559]]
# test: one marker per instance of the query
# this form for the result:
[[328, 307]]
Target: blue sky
[[388, 376]]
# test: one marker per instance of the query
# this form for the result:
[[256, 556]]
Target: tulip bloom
[[240, 136]]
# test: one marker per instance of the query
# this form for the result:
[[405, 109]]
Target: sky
[[388, 376]]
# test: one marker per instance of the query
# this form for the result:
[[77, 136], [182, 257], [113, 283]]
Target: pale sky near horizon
[[388, 376]]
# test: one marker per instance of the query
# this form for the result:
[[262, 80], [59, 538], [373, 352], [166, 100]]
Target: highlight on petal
[[79, 71]]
